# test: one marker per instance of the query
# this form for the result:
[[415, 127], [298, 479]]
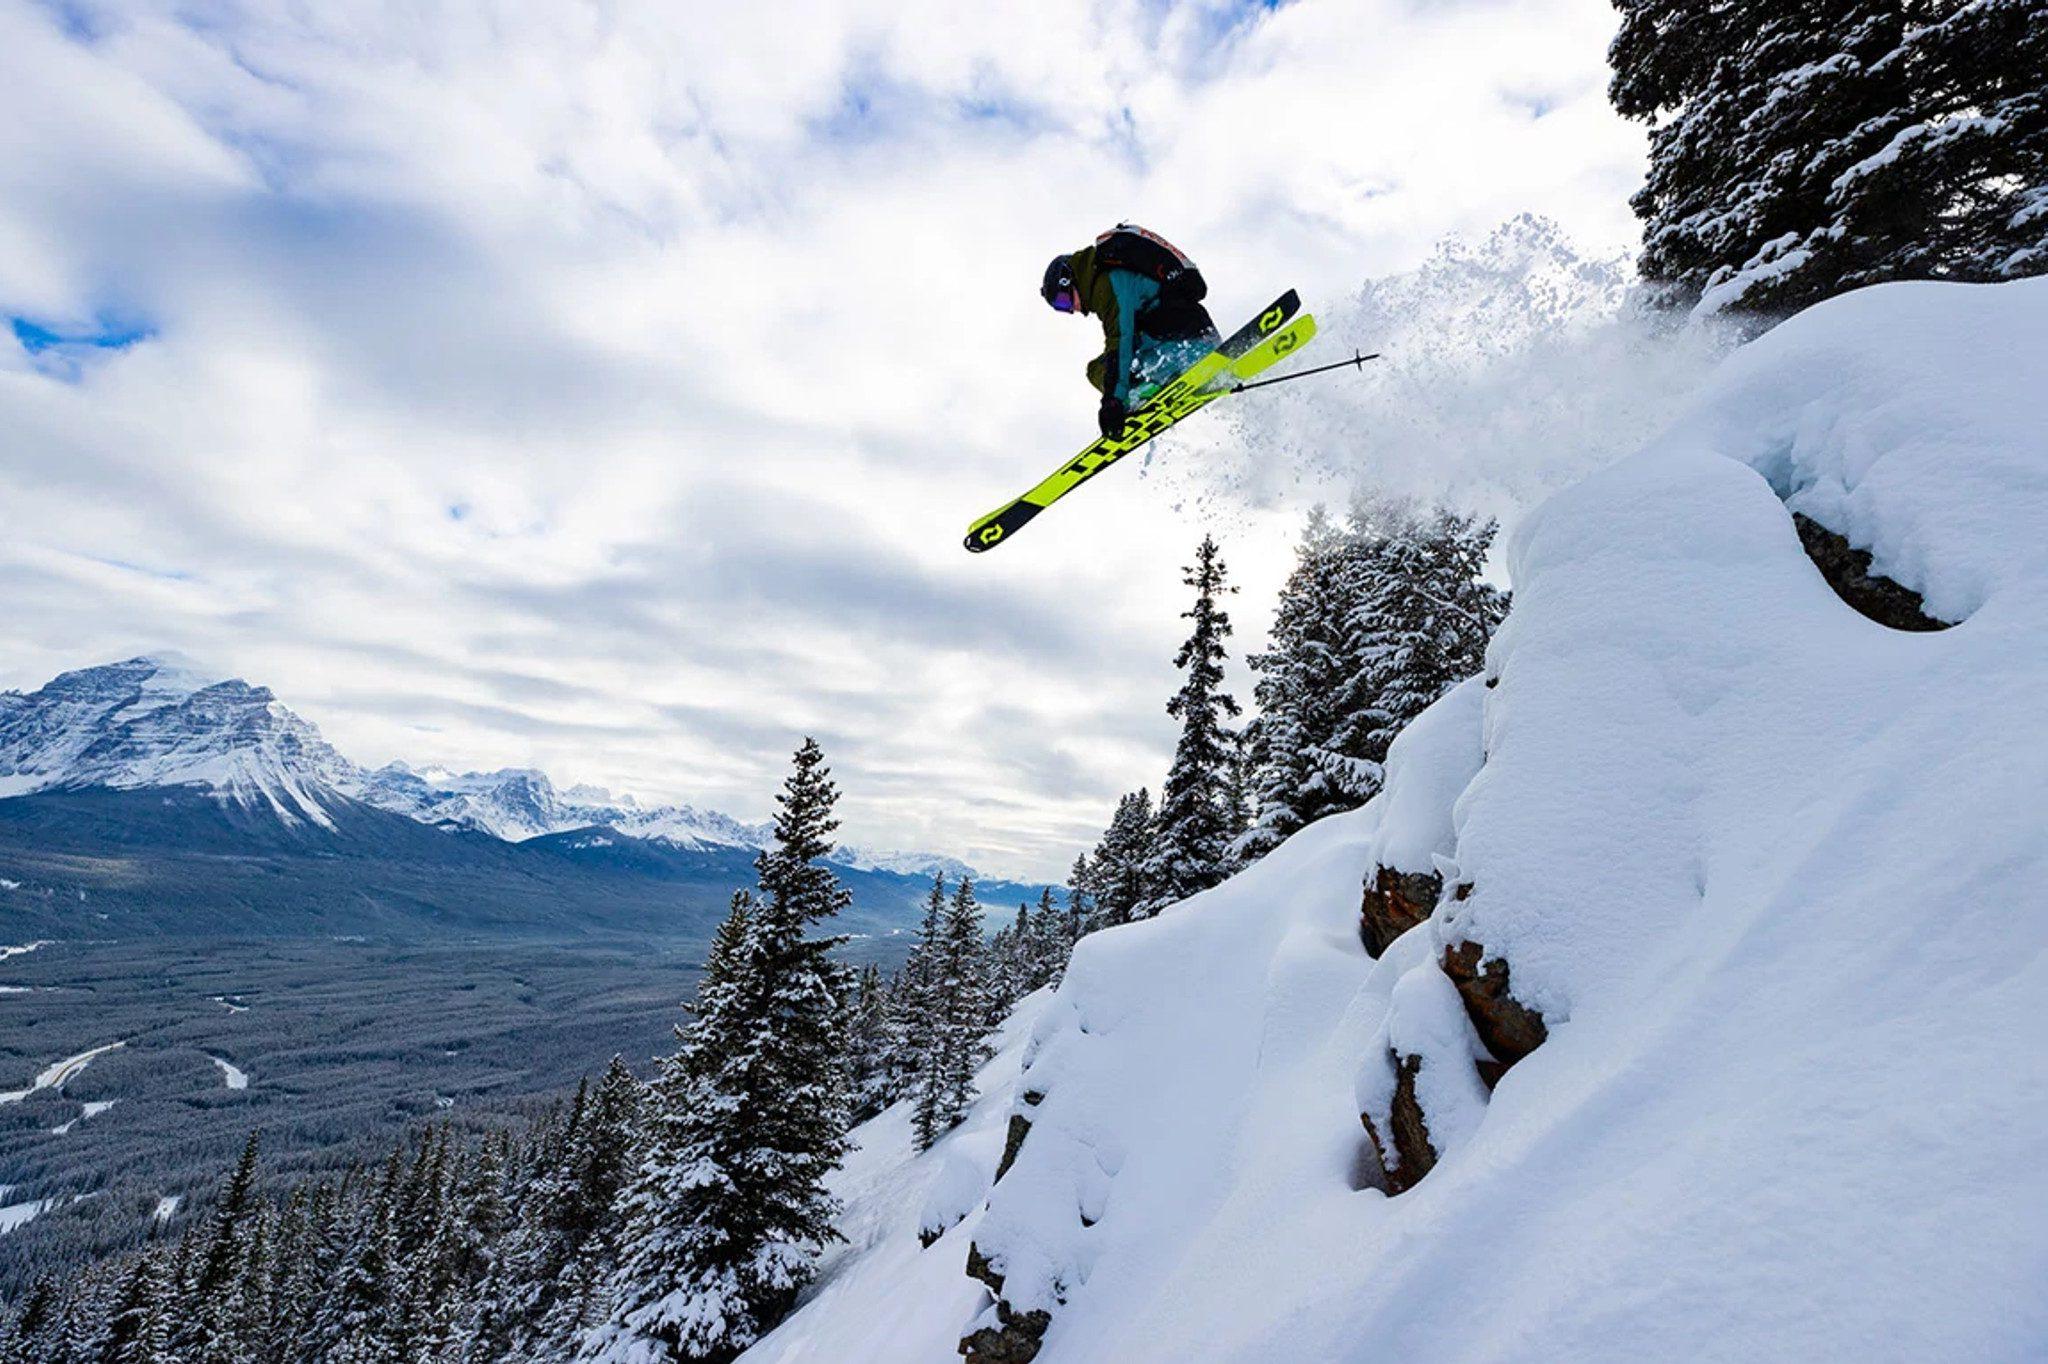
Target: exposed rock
[[1013, 1142], [1395, 901], [1510, 1029], [1016, 1336], [1847, 570], [1015, 1341], [1413, 1156]]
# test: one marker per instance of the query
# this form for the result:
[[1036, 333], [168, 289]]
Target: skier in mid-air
[[1161, 363], [1148, 296]]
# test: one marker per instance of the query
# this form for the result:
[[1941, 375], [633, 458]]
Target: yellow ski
[[1215, 375]]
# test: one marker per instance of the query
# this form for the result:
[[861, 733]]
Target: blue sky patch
[[103, 334]]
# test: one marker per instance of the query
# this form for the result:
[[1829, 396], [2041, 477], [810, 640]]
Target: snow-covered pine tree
[[867, 1045], [1080, 899], [362, 1326], [1049, 946], [729, 1210], [140, 1331], [1420, 620], [960, 994], [1122, 875], [919, 1019], [1797, 151], [1301, 675], [218, 1329], [600, 1158], [30, 1336], [1196, 824], [1010, 960]]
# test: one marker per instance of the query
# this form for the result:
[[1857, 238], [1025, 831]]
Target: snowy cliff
[[1705, 1020]]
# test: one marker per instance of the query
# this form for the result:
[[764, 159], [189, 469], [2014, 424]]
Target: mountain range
[[164, 799]]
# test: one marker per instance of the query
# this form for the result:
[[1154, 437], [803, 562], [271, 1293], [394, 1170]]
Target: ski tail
[[1270, 320]]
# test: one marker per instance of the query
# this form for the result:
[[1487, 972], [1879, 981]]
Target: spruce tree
[[1800, 150], [959, 996], [140, 1331], [1418, 624], [1080, 897], [867, 1046], [729, 1210], [1122, 865], [920, 1020], [1302, 674], [1049, 945], [1196, 824]]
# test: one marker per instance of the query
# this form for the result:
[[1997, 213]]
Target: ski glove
[[1111, 417]]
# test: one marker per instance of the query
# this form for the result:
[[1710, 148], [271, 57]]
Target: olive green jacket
[[1114, 298]]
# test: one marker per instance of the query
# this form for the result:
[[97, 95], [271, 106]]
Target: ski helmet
[[1058, 288]]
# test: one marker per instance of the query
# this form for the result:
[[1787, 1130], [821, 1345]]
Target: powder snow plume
[[1510, 367]]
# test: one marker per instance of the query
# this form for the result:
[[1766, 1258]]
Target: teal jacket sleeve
[[1133, 291]]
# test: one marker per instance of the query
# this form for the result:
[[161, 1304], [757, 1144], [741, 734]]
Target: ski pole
[[1356, 361]]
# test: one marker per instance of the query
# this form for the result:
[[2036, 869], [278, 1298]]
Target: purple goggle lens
[[1064, 300]]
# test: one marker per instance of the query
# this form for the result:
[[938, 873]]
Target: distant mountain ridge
[[161, 721]]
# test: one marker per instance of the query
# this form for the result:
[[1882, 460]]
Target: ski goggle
[[1065, 300]]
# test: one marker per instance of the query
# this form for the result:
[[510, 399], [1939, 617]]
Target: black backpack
[[1130, 247]]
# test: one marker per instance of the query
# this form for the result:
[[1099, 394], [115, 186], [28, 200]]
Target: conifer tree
[[1419, 620], [1122, 870], [1080, 899], [729, 1210], [1196, 824], [140, 1331], [921, 1014], [1800, 150], [959, 995], [867, 1045], [1049, 944], [1302, 673]]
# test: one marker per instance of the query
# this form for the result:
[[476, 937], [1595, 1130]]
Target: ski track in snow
[[60, 1074], [234, 1075], [24, 948]]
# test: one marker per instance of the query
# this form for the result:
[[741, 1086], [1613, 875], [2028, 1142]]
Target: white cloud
[[605, 388]]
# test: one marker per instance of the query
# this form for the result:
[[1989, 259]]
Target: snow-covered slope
[[1723, 1041], [883, 1294]]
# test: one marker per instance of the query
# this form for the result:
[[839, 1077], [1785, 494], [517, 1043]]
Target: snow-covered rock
[[1752, 885]]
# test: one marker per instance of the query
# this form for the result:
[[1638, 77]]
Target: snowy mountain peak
[[162, 720]]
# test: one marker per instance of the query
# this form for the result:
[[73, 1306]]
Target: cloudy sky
[[605, 387]]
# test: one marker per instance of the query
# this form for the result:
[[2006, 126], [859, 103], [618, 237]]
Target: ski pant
[[1153, 363]]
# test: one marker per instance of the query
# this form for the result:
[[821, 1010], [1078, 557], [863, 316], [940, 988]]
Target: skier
[[1148, 296]]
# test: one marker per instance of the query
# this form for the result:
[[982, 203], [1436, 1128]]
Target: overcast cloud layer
[[606, 387]]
